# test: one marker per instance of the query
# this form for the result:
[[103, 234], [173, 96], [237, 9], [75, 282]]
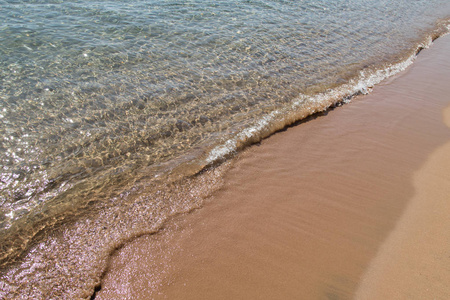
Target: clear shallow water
[[103, 102]]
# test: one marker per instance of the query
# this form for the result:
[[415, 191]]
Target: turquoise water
[[102, 103]]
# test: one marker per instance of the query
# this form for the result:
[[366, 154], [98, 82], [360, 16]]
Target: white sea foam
[[306, 105], [233, 144]]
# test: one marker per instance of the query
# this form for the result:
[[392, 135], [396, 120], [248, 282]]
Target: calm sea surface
[[105, 104]]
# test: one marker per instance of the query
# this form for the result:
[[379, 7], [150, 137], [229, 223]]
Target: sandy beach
[[353, 203]]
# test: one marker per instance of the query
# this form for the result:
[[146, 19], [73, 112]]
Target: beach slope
[[352, 203]]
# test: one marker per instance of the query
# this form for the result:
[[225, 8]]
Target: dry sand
[[352, 204]]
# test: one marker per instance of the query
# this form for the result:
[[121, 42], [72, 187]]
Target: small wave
[[307, 105]]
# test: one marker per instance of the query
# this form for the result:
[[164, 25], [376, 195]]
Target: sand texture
[[414, 262]]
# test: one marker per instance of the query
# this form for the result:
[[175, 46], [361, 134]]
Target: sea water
[[109, 110]]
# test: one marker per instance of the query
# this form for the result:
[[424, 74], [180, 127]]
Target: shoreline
[[318, 239]]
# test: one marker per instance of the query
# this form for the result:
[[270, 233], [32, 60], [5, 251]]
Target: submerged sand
[[351, 204]]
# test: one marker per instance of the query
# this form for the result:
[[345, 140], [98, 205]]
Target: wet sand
[[350, 204]]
